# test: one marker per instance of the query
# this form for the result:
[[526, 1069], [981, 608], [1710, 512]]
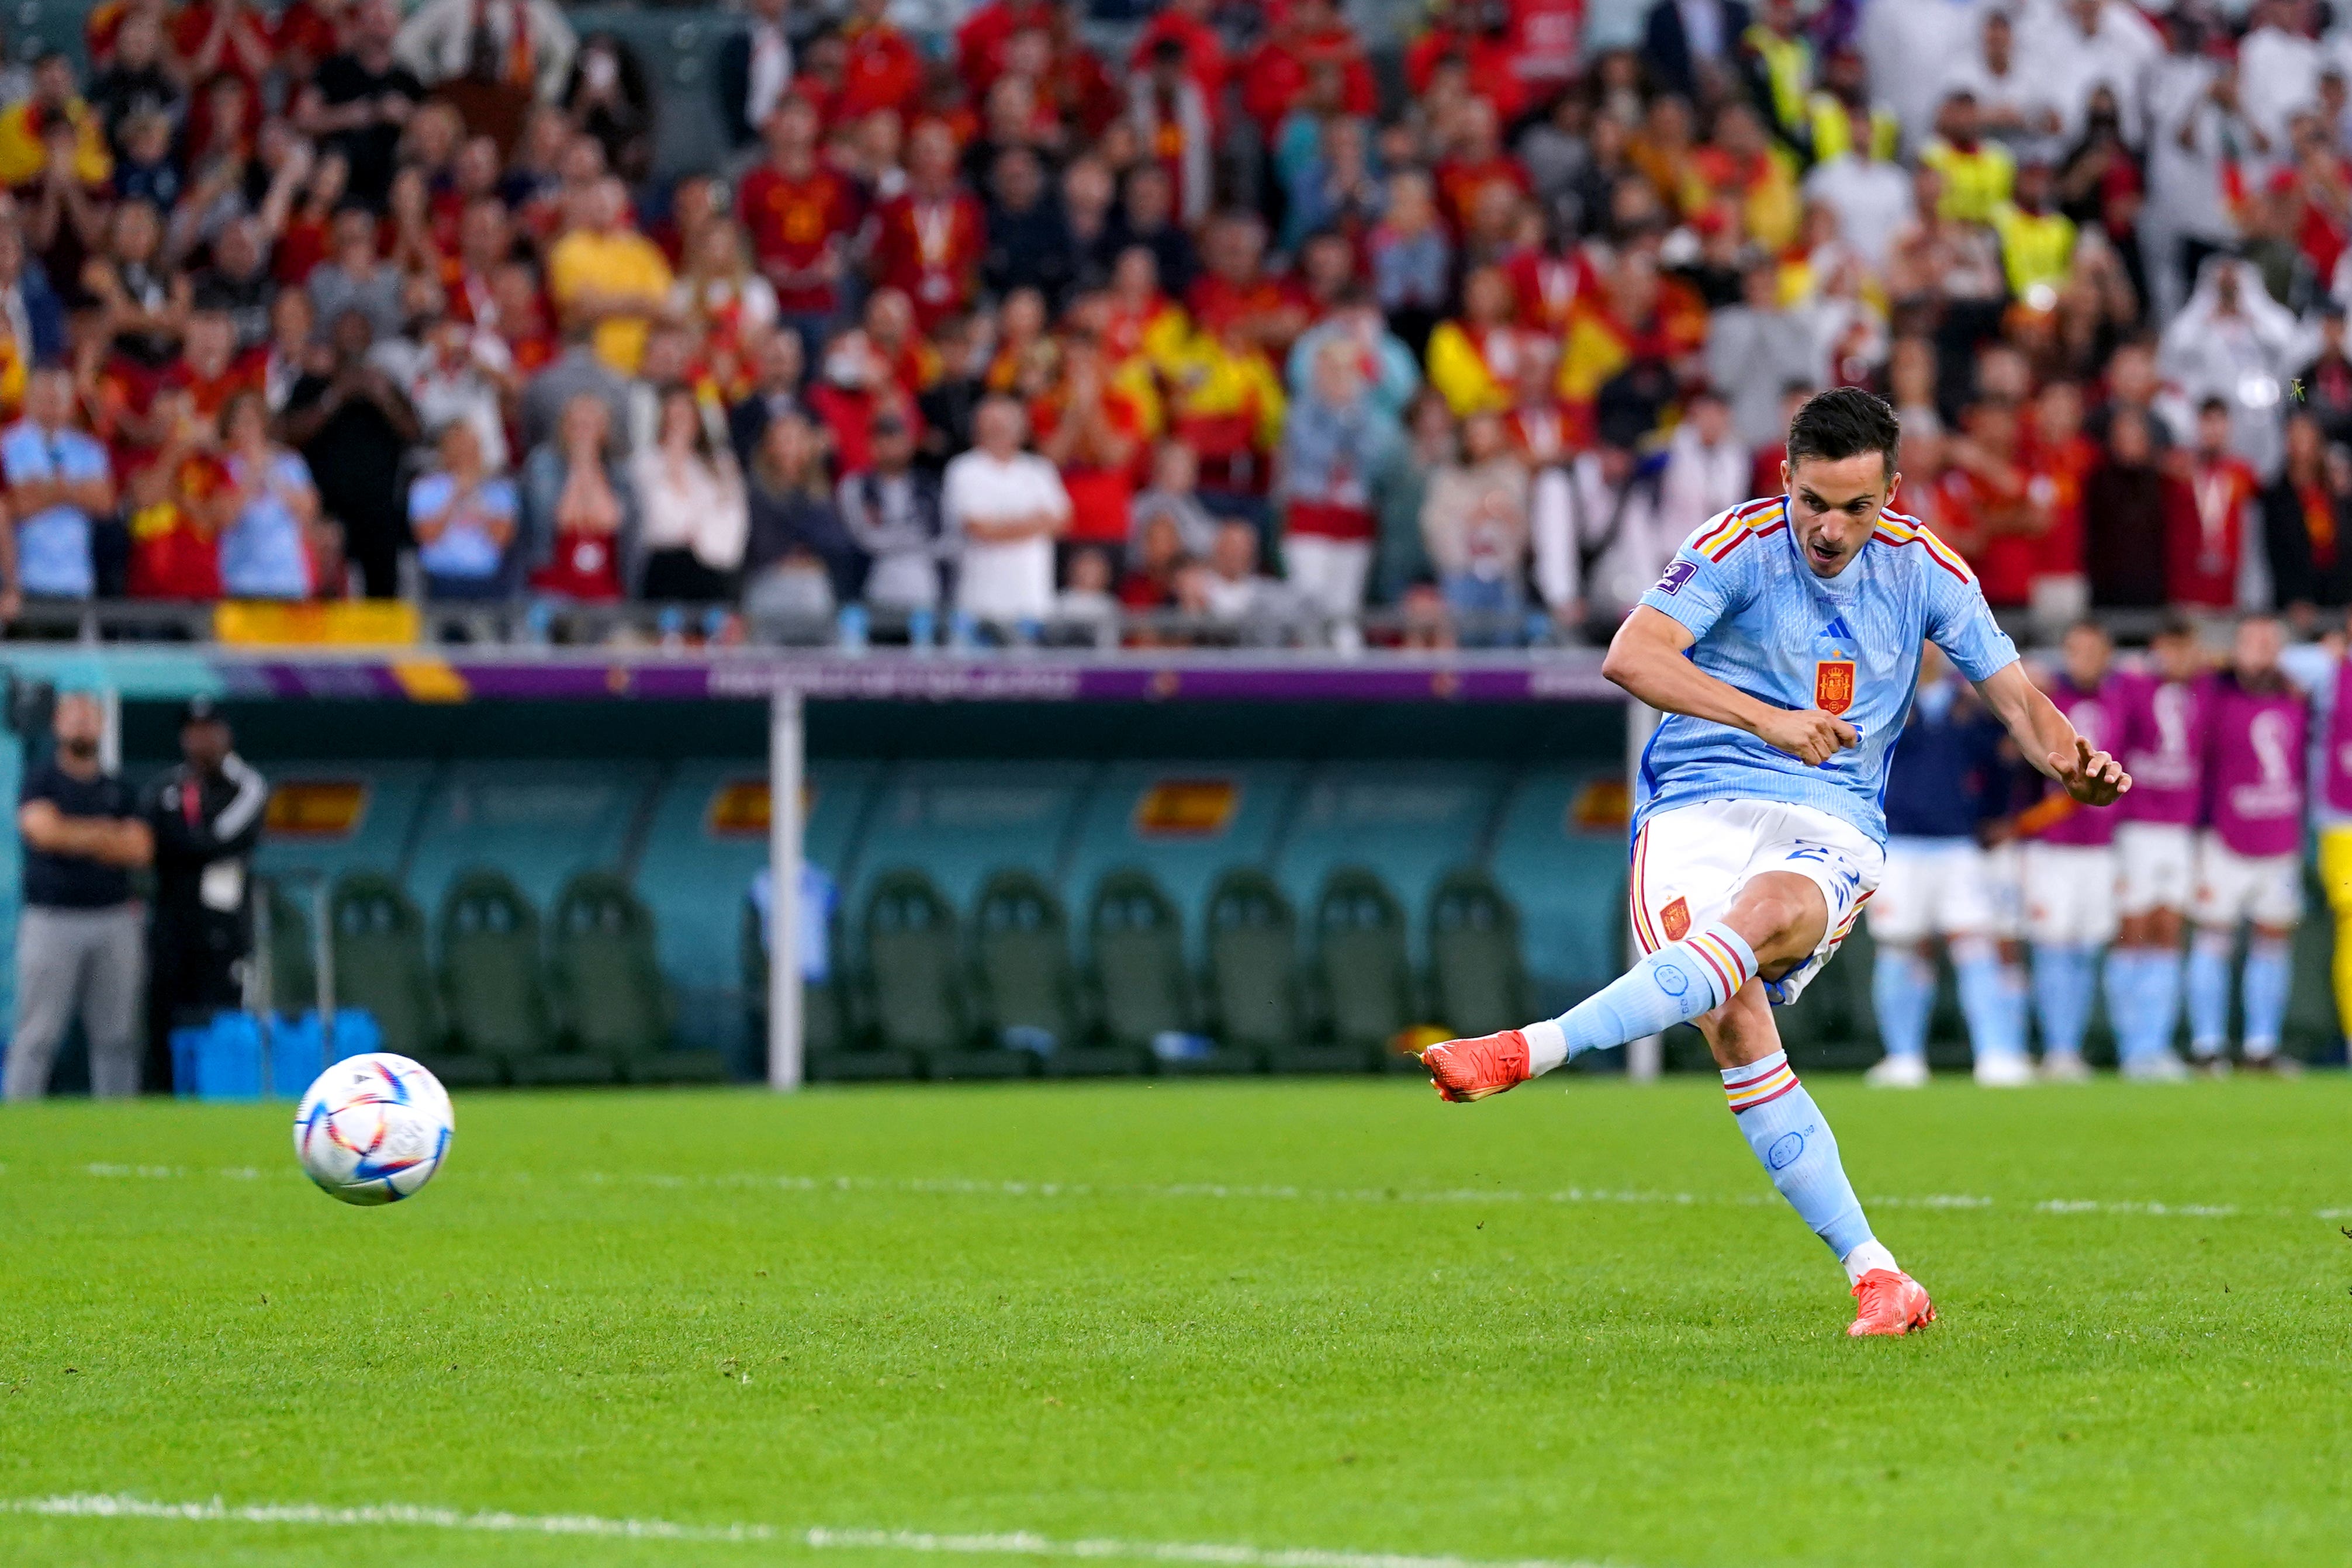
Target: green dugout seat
[[1478, 976], [913, 978], [1361, 971], [1253, 973], [492, 983], [1024, 987], [1136, 939], [380, 967], [608, 990]]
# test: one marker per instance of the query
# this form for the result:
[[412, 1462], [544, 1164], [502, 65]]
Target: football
[[373, 1129]]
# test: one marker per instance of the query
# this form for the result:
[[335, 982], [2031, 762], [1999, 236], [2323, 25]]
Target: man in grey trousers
[[80, 940]]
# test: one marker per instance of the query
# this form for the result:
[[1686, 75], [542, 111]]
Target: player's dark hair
[[1841, 422]]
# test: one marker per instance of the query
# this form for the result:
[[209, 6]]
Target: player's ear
[[1785, 487], [1894, 483]]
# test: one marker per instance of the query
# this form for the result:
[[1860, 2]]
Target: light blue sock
[[2016, 1012], [1676, 983], [2161, 981], [2208, 993], [2128, 1001], [1787, 1131], [2265, 984], [1984, 1000], [1901, 992], [2062, 995]]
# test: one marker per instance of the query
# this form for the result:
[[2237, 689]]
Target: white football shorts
[[1933, 887], [2230, 887], [1690, 863], [2157, 864], [2070, 893], [2004, 874]]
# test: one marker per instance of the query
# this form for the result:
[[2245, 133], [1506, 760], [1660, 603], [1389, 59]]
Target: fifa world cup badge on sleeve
[[1677, 573]]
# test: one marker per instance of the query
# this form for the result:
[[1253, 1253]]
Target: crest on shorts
[[1834, 684], [1676, 919]]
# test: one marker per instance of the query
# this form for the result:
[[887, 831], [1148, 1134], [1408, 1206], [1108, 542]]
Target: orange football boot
[[1886, 1303], [1467, 1070]]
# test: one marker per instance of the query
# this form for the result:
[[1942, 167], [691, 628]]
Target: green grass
[[1386, 1333]]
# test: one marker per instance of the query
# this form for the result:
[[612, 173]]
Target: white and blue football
[[373, 1129]]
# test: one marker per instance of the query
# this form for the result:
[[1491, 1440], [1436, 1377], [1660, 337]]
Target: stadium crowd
[[993, 332]]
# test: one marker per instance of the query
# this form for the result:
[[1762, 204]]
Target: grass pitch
[[1571, 1326]]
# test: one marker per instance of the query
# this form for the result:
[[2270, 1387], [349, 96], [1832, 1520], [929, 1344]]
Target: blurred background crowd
[[1025, 322]]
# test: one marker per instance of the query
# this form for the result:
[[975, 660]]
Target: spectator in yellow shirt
[[27, 127], [1977, 174], [606, 274]]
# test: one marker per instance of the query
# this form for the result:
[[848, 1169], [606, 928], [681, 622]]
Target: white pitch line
[[1019, 1544], [962, 1186]]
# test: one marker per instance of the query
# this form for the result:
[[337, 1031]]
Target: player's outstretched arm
[[2048, 741], [1646, 659]]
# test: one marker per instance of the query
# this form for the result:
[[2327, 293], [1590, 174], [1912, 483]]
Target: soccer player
[[2162, 743], [2249, 856], [1782, 643], [2068, 862], [1944, 770]]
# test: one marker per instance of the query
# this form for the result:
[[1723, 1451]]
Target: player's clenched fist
[[2093, 777], [1807, 734]]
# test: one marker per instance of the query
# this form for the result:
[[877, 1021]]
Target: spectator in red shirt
[[2062, 458], [1233, 287], [1185, 24], [1999, 520], [1477, 165], [801, 215], [1479, 37], [1093, 431], [929, 240], [882, 70], [1309, 33], [980, 41], [2204, 548]]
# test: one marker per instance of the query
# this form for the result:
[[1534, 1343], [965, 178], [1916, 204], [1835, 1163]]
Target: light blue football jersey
[[1850, 644]]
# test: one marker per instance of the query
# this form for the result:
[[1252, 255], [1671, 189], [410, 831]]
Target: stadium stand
[[539, 823], [1407, 822]]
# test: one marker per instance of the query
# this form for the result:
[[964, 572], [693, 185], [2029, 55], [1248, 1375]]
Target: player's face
[[1833, 504]]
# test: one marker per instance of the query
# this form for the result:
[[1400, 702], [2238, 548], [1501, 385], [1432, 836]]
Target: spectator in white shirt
[[1707, 468], [2015, 100], [1006, 506], [1871, 197], [694, 515], [2278, 67]]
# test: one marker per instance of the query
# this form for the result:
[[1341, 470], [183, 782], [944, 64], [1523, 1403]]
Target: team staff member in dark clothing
[[77, 938], [205, 817], [354, 427], [1946, 779]]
